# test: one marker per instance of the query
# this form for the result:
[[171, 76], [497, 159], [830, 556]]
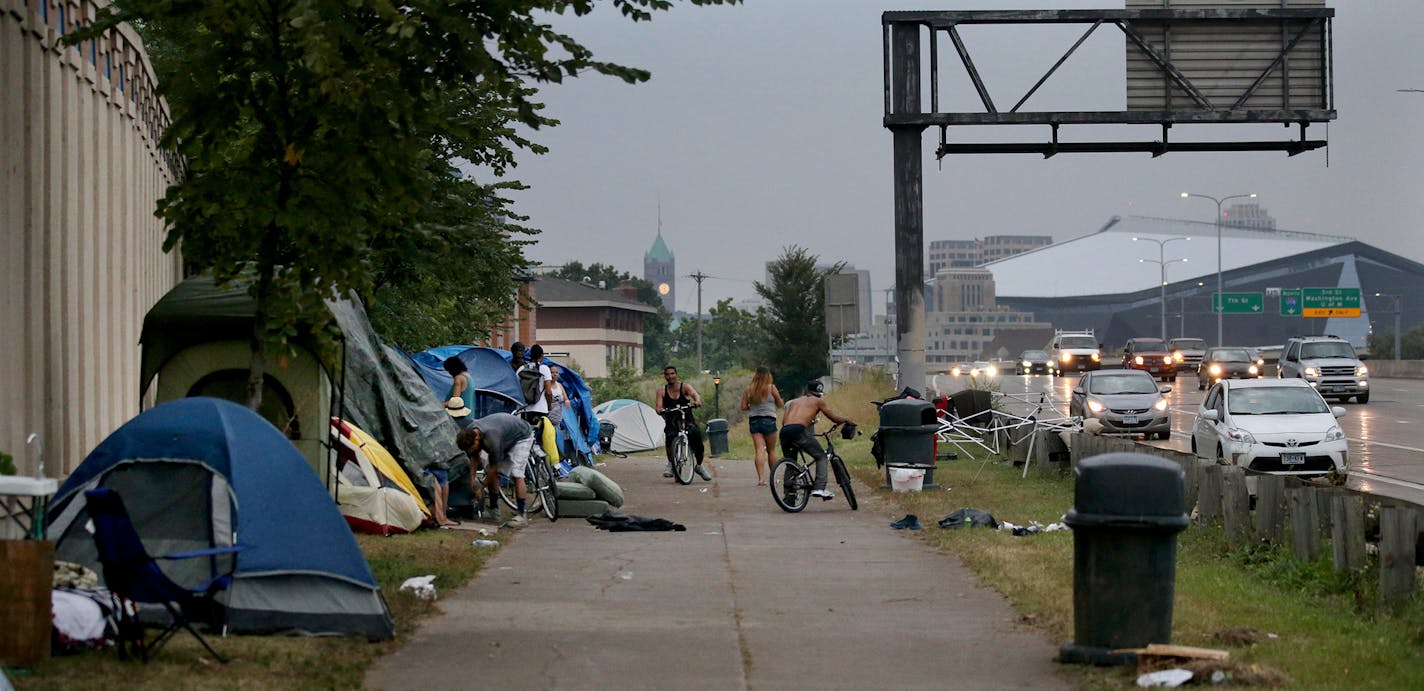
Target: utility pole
[[699, 277]]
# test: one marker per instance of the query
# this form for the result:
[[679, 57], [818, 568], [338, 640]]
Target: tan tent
[[373, 491]]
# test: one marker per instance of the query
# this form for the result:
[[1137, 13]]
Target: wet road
[[1386, 435]]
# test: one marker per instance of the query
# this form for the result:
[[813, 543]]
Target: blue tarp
[[498, 387]]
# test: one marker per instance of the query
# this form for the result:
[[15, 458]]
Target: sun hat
[[456, 407]]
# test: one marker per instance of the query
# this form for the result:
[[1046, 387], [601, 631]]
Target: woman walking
[[761, 400]]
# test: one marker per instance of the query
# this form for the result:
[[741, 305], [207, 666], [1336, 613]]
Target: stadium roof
[[1106, 262]]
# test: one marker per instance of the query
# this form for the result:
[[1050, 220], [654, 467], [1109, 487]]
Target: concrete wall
[[81, 257], [1396, 369]]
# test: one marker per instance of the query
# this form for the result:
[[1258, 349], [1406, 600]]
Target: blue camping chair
[[130, 573]]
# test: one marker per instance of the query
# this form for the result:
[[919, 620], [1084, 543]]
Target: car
[[1270, 426], [1226, 363], [1188, 352], [1036, 362], [1268, 357], [1124, 401], [1328, 363], [983, 370], [1149, 355]]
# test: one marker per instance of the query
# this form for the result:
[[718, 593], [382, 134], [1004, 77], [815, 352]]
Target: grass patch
[[1329, 631], [284, 662]]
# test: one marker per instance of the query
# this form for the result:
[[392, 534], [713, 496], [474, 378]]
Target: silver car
[[1125, 401]]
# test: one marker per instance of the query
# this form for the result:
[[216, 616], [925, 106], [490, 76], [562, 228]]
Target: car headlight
[[1312, 372], [1095, 406], [954, 371], [1335, 434], [1138, 359], [1095, 357], [1215, 370], [1026, 363], [1240, 436], [1178, 356], [991, 371], [1161, 404], [1167, 360], [1361, 371], [1065, 357], [1253, 370], [1260, 362]]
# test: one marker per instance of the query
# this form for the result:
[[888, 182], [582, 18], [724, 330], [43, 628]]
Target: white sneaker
[[519, 522], [702, 473], [824, 494]]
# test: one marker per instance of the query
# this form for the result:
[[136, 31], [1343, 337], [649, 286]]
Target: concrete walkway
[[749, 597]]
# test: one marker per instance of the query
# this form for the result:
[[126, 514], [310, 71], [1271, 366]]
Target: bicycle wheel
[[505, 485], [682, 463], [790, 485], [843, 479], [547, 491]]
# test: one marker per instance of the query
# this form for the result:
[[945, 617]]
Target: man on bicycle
[[506, 442], [798, 434], [676, 393]]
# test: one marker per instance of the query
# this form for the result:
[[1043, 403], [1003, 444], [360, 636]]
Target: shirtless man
[[798, 434]]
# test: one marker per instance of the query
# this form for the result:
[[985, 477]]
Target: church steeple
[[660, 267]]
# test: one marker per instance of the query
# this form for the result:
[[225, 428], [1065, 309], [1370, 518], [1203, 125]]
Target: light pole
[[1162, 262], [1216, 304], [1398, 309], [717, 396]]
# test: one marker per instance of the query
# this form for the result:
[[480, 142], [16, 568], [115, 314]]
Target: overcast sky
[[761, 128]]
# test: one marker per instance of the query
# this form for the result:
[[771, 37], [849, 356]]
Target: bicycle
[[683, 464], [792, 479]]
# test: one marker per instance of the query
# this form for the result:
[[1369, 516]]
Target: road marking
[[1388, 446]]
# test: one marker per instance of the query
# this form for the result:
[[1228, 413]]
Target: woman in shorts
[[760, 400]]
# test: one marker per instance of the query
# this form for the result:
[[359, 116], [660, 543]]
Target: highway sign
[[1290, 302], [1330, 302], [1238, 303]]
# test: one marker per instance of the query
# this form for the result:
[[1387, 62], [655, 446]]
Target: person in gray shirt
[[505, 442]]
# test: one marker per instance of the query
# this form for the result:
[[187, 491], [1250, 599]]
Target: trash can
[[605, 435], [717, 437], [1127, 511], [907, 431]]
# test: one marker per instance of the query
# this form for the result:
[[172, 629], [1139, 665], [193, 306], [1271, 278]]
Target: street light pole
[[1217, 303], [1162, 262]]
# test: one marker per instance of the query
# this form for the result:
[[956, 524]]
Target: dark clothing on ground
[[615, 522]]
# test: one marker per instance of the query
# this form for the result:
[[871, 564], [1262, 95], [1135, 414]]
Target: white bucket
[[906, 479]]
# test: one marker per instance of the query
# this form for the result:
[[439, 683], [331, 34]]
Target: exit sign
[[1330, 302]]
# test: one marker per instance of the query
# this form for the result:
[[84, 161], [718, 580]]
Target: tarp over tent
[[198, 330], [201, 472], [638, 426], [373, 492]]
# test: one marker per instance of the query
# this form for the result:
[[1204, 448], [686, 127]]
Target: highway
[[1386, 435]]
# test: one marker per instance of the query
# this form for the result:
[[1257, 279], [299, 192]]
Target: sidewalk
[[749, 597]]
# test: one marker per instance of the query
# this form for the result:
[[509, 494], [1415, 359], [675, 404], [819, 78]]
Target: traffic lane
[[1386, 454]]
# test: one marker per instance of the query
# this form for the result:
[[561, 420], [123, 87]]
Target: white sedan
[[1270, 426]]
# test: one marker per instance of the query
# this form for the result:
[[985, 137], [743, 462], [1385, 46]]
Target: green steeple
[[659, 252]]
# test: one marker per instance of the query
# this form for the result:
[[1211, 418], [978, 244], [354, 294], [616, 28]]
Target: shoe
[[702, 473], [909, 522], [824, 494], [519, 522], [667, 470]]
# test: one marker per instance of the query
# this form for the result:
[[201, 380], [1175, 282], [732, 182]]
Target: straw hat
[[456, 407]]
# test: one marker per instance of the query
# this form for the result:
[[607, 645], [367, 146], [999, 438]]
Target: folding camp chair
[[130, 573]]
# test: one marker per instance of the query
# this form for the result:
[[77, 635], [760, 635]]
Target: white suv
[[1329, 364]]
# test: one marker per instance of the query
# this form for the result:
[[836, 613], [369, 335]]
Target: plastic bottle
[[485, 543]]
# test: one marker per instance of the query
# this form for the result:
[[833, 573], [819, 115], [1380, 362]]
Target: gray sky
[[761, 128]]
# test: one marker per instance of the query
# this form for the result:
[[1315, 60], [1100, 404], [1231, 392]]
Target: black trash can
[[1127, 511], [605, 435], [907, 433], [717, 437]]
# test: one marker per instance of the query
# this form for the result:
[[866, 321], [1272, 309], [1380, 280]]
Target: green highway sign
[[1330, 302], [1238, 303], [1290, 303]]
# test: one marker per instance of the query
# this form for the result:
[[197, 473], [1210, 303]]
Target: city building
[[953, 254], [660, 269], [1248, 215], [588, 327]]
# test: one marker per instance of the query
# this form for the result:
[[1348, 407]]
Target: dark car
[[1267, 357], [1150, 355], [1226, 363], [1036, 362]]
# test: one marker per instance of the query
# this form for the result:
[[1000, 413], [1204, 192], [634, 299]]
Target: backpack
[[531, 383]]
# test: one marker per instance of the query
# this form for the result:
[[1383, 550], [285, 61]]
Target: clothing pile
[[615, 522]]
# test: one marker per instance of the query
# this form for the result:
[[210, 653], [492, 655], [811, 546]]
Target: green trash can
[[1127, 511], [717, 437], [907, 430]]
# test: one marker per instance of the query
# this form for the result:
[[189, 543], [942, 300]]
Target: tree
[[317, 132], [731, 338], [657, 331], [795, 317], [1411, 344]]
